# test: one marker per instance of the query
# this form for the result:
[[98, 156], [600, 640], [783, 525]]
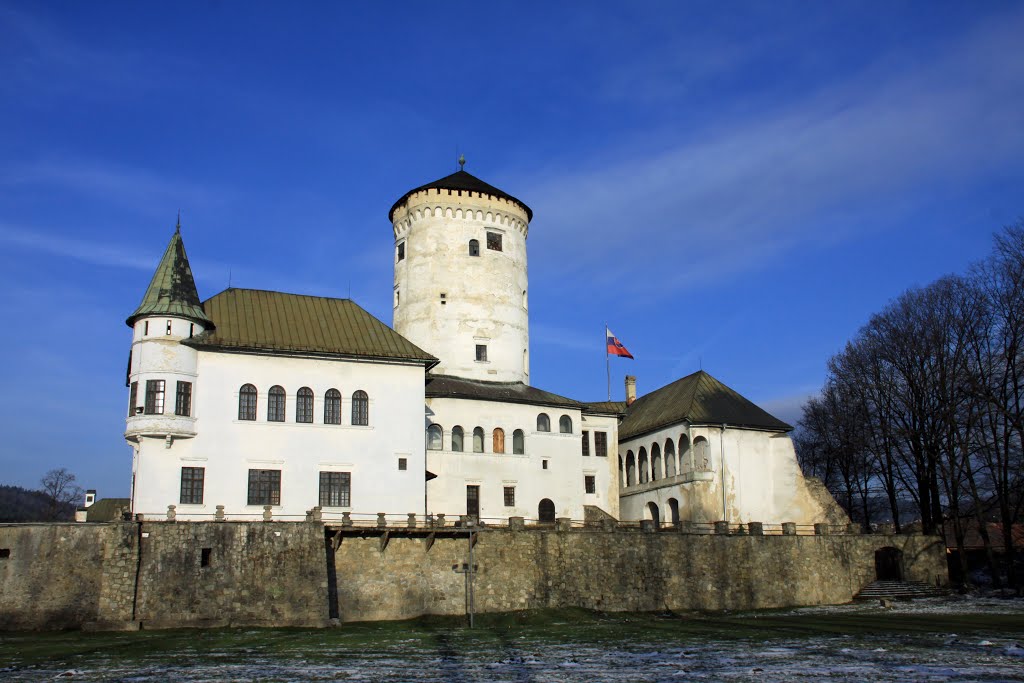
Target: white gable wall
[[228, 447], [763, 482], [562, 482]]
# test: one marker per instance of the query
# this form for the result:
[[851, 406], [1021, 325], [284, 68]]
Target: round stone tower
[[460, 277]]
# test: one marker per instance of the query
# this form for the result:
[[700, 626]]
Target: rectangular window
[[154, 397], [145, 328], [494, 241], [264, 487], [590, 483], [601, 444], [192, 485], [168, 327], [5, 553], [586, 442], [481, 352], [335, 489], [401, 251], [183, 399], [473, 500], [510, 496], [544, 464], [403, 464], [133, 396], [204, 558]]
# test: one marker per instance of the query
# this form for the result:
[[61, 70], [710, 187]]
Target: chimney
[[630, 389]]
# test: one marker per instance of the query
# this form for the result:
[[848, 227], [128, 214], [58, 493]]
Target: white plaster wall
[[763, 482], [485, 296], [228, 447], [158, 355], [562, 482]]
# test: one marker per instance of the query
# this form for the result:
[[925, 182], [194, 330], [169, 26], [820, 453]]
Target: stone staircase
[[899, 590]]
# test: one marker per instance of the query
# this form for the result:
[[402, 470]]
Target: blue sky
[[733, 185]]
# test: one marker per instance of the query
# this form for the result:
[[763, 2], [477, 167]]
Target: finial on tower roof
[[177, 228], [462, 162]]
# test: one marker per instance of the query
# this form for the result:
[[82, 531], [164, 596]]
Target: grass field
[[928, 640]]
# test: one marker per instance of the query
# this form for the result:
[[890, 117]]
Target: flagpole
[[607, 363]]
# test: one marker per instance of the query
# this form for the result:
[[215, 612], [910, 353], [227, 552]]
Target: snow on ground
[[757, 652]]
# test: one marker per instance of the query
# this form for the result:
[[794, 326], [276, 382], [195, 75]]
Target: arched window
[[457, 439], [546, 511], [670, 459], [685, 456], [498, 441], [360, 408], [622, 474], [655, 462], [518, 442], [565, 425], [478, 439], [304, 405], [435, 438], [701, 455], [275, 404], [474, 248], [645, 472], [652, 508], [673, 511], [630, 469], [247, 402], [543, 423], [332, 407]]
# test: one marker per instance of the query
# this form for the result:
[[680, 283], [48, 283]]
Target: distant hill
[[22, 505]]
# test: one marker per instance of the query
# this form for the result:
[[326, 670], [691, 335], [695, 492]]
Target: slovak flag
[[615, 347]]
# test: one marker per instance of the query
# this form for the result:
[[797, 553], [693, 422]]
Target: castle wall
[[616, 571], [124, 575]]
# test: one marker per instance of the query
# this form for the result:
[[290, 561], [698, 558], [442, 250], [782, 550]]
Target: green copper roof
[[172, 291], [698, 399], [254, 320]]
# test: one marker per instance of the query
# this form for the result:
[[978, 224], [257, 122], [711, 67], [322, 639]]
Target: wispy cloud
[[753, 189], [112, 183], [86, 251]]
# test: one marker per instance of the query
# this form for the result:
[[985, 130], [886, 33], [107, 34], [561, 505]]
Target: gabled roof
[[172, 291], [698, 399], [605, 407], [257, 320], [460, 180], [107, 509], [445, 386]]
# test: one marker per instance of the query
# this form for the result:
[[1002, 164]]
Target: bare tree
[[61, 490]]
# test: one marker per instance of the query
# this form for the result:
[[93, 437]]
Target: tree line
[[55, 501], [921, 417]]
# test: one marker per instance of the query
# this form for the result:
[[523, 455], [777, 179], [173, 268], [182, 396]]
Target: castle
[[257, 404]]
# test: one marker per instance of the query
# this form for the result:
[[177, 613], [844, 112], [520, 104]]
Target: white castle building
[[256, 403]]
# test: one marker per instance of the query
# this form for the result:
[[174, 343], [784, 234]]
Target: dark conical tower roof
[[466, 182], [172, 291]]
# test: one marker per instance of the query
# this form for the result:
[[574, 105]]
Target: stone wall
[[616, 571], [270, 573], [157, 575]]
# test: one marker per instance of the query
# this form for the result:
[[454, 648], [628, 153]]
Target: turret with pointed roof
[[172, 291]]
